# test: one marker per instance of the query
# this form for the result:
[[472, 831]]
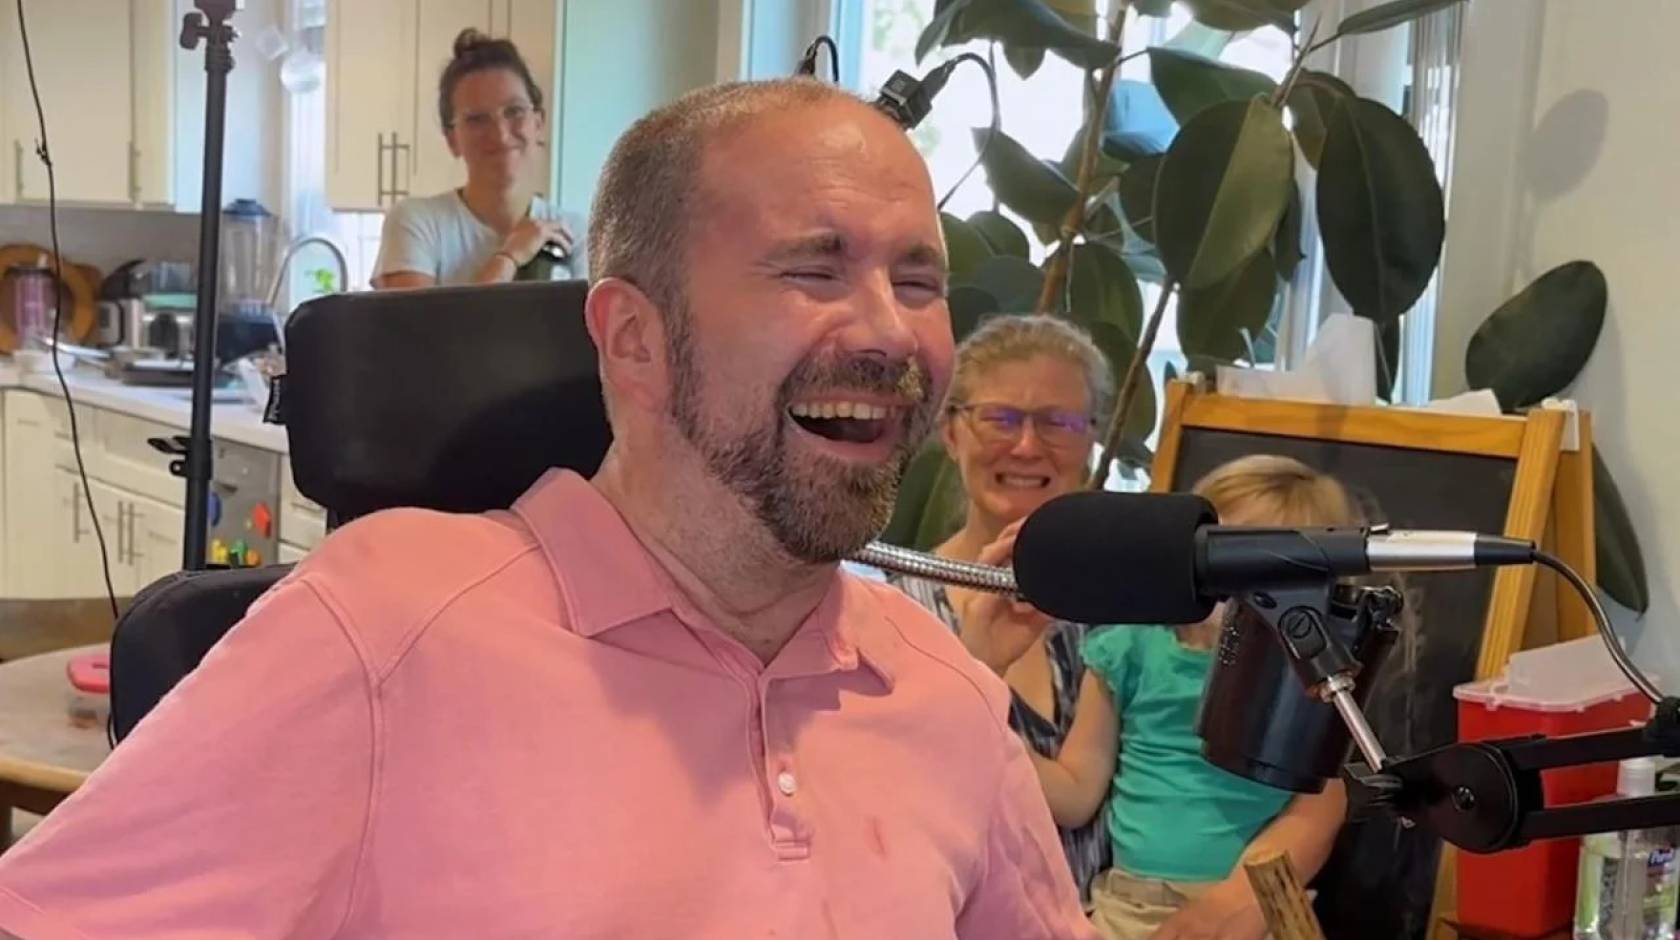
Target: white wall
[[1568, 132], [620, 59]]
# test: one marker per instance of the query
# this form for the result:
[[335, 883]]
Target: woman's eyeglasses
[[1003, 424], [515, 115]]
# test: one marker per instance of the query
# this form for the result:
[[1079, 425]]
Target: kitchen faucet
[[286, 262]]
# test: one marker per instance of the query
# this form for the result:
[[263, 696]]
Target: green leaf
[[1538, 342], [1120, 348], [1380, 210], [1145, 263], [969, 305], [1137, 196], [1133, 454], [1211, 320], [1223, 187], [1104, 290], [1013, 282], [939, 29], [1032, 24], [1137, 122], [1621, 564], [930, 505], [1241, 15], [1025, 60], [1037, 191], [1379, 18], [965, 248], [1004, 236], [1107, 166], [1206, 365], [1286, 244], [1311, 101], [1080, 14], [1201, 39], [1191, 83]]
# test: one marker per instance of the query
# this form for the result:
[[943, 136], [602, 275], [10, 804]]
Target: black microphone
[[1151, 558]]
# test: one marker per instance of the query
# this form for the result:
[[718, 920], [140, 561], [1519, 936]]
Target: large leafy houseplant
[[1189, 182]]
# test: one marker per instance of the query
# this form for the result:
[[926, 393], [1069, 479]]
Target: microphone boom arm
[[1482, 796]]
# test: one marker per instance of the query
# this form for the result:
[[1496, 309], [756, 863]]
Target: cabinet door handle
[[17, 168], [379, 166], [398, 150], [125, 529], [133, 543], [76, 512], [133, 173]]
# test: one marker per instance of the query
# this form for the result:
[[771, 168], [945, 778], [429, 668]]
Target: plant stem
[[1288, 84], [1128, 389], [1073, 220]]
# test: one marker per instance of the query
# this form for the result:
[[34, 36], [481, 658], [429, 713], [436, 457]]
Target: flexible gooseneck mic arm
[[963, 574]]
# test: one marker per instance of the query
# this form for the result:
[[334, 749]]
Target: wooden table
[[44, 757]]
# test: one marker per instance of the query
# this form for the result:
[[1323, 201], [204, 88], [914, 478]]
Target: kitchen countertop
[[233, 421]]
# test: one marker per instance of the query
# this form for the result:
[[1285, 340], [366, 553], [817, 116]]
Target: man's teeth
[[862, 411]]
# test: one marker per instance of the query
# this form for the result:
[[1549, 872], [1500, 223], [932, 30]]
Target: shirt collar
[[607, 579]]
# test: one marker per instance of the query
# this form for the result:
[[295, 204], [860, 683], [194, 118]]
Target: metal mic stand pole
[[210, 25]]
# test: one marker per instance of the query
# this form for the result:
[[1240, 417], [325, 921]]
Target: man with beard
[[646, 705]]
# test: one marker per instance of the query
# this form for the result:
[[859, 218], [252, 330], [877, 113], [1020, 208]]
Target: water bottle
[[1628, 885]]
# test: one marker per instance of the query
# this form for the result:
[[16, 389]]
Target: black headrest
[[453, 398]]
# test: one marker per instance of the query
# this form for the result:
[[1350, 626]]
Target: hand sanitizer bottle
[[1627, 885]]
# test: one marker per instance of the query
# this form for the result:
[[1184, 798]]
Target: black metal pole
[[218, 62]]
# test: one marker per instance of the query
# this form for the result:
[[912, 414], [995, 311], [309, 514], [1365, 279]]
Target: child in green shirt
[[1178, 824]]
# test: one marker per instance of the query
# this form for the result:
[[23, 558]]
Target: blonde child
[[1178, 825]]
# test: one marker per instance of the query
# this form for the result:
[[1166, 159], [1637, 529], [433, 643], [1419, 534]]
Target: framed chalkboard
[[1411, 469]]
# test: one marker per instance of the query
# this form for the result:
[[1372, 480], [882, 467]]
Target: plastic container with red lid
[[1568, 688], [90, 689]]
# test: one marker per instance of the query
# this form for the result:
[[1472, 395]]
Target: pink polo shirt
[[513, 725]]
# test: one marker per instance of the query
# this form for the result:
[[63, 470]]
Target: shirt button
[[786, 783]]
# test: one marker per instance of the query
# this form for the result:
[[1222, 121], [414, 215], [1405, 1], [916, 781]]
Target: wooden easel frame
[[1551, 499], [1551, 502]]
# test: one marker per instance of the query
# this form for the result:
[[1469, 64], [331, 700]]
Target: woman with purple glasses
[[1022, 418]]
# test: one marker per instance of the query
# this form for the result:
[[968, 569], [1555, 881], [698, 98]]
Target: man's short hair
[[649, 190]]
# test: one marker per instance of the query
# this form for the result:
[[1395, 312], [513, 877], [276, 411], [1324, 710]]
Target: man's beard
[[818, 509]]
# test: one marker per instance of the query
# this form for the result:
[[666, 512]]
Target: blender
[[245, 322]]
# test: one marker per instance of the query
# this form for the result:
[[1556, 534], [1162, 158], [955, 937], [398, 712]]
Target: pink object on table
[[91, 673]]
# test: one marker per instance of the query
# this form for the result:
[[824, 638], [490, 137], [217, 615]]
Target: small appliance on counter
[[250, 248]]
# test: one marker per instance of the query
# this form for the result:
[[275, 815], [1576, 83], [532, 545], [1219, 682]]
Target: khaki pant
[[1131, 908]]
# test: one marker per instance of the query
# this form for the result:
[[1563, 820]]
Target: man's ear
[[630, 341]]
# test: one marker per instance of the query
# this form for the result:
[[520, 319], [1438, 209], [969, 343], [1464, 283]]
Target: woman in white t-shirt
[[486, 231]]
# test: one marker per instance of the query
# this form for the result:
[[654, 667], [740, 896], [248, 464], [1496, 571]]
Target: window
[[358, 233], [1044, 113]]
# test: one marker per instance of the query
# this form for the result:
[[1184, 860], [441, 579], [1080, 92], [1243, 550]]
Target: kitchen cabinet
[[437, 23], [70, 546], [48, 543], [124, 105], [37, 501], [84, 68], [154, 533], [370, 102], [384, 57]]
